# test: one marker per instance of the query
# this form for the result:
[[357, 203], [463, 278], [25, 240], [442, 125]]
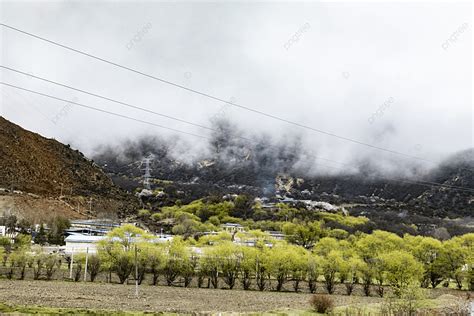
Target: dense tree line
[[372, 262], [207, 214], [52, 233]]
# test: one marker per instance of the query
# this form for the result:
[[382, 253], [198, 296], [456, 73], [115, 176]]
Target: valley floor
[[81, 297]]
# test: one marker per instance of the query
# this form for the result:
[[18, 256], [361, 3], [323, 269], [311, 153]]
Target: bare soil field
[[117, 297]]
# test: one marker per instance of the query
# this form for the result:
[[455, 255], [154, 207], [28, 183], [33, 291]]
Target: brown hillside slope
[[34, 164]]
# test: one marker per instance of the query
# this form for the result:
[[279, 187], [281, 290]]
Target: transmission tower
[[145, 164]]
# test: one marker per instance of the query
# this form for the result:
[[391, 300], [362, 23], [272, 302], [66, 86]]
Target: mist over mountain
[[304, 120], [229, 145], [264, 167]]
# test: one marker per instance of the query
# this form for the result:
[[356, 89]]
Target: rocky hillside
[[46, 168], [265, 171]]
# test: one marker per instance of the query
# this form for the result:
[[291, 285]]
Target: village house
[[232, 227]]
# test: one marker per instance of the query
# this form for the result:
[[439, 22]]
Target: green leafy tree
[[452, 260], [118, 250], [367, 275], [10, 265], [51, 264], [243, 206], [5, 245], [79, 261], [283, 262], [402, 269], [227, 256], [93, 266], [313, 271], [123, 264], [325, 245], [3, 255], [178, 260], [350, 272], [304, 234], [210, 267], [19, 260], [126, 235], [370, 246], [330, 266], [427, 250], [263, 268], [38, 260], [57, 226], [41, 237], [299, 266], [156, 261], [248, 265]]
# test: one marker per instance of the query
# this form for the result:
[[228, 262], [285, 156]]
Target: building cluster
[[272, 204], [84, 235]]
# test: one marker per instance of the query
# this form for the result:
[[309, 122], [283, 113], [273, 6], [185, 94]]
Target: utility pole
[[90, 206], [136, 271], [61, 195], [72, 263], [87, 260]]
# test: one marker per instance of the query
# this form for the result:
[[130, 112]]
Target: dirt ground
[[154, 298], [35, 209]]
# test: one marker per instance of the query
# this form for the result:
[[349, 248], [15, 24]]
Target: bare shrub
[[77, 271], [93, 266], [322, 303], [38, 265], [51, 263], [408, 301]]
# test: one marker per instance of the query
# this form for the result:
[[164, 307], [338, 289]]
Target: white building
[[232, 227], [3, 230], [80, 243]]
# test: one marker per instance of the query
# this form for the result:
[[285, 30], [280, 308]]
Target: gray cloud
[[345, 67]]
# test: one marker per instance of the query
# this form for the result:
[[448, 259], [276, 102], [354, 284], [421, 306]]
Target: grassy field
[[61, 297]]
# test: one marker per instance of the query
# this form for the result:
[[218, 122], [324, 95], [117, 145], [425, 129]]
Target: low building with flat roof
[[232, 227], [103, 224], [79, 243]]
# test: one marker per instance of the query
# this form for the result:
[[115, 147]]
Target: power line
[[101, 110], [138, 120], [139, 108], [433, 184], [106, 98], [207, 95], [154, 112]]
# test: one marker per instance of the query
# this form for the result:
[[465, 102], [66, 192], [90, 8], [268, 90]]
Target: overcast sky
[[394, 75]]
